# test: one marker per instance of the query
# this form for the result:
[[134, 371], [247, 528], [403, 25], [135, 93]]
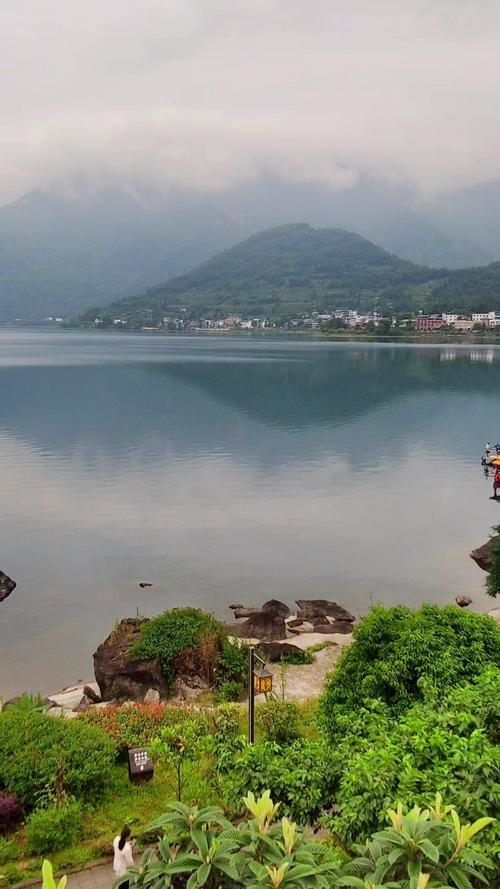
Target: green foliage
[[169, 635], [396, 648], [179, 744], [299, 776], [449, 745], [298, 658], [48, 881], [230, 691], [492, 583], [53, 828], [278, 720], [33, 745], [9, 850], [137, 725], [228, 738], [422, 848], [232, 665], [201, 848]]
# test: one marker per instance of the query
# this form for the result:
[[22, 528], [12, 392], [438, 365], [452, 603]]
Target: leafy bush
[[396, 647], [278, 720], [181, 743], [53, 828], [228, 739], [421, 848], [9, 851], [137, 725], [232, 665], [10, 811], [297, 658], [447, 745], [299, 776], [230, 691], [33, 745], [166, 637], [201, 848]]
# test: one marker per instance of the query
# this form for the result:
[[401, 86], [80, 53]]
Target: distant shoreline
[[334, 336]]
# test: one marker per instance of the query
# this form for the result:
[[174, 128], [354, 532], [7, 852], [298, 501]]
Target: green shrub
[[137, 725], [230, 691], [232, 665], [204, 849], [427, 846], [200, 847], [166, 637], [54, 828], [278, 720], [299, 777], [297, 658], [446, 745], [33, 745], [395, 648], [9, 851]]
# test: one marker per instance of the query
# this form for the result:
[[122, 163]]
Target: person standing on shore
[[496, 482], [122, 847]]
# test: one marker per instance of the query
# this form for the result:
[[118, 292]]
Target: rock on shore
[[121, 676], [274, 621], [482, 554], [7, 585]]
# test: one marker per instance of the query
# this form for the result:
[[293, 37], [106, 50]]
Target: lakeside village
[[338, 320]]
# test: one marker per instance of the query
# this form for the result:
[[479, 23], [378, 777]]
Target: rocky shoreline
[[274, 629]]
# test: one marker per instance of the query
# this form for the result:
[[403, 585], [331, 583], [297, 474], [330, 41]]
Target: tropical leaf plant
[[422, 848]]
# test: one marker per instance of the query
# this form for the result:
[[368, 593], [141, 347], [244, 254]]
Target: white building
[[449, 318]]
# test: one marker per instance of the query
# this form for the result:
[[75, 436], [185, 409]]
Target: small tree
[[180, 743]]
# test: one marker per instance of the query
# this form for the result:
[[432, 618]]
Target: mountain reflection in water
[[230, 468]]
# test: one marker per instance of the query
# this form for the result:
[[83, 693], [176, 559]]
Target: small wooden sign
[[140, 767]]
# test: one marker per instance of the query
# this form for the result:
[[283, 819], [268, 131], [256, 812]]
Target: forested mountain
[[294, 269], [66, 249], [286, 270]]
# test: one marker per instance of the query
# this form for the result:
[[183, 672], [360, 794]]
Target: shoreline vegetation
[[421, 338], [392, 723]]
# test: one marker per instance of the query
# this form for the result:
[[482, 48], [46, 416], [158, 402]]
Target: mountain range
[[288, 270], [65, 250]]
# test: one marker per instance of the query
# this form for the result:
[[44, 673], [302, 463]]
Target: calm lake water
[[230, 469]]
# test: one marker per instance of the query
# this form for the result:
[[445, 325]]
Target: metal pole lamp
[[260, 681]]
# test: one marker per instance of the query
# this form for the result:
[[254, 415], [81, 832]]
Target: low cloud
[[208, 92]]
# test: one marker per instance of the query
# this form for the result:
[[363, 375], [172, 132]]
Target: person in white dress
[[122, 847]]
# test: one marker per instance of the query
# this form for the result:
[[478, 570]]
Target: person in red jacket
[[496, 481]]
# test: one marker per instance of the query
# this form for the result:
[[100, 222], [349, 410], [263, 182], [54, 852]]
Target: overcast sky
[[206, 92]]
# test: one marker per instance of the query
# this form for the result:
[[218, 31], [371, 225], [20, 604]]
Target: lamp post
[[260, 681]]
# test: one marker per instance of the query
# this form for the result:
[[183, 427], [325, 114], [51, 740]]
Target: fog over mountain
[[140, 137]]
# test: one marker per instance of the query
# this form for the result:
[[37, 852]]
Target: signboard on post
[[140, 767]]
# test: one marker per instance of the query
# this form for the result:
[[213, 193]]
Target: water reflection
[[229, 468]]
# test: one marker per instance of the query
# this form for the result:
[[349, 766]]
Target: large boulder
[[7, 585], [334, 626], [274, 651], [268, 623], [120, 675], [483, 554], [311, 609]]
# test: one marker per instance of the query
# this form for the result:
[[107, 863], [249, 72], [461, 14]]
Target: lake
[[225, 469]]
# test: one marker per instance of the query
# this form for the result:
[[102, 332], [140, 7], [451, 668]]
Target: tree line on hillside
[[285, 272]]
